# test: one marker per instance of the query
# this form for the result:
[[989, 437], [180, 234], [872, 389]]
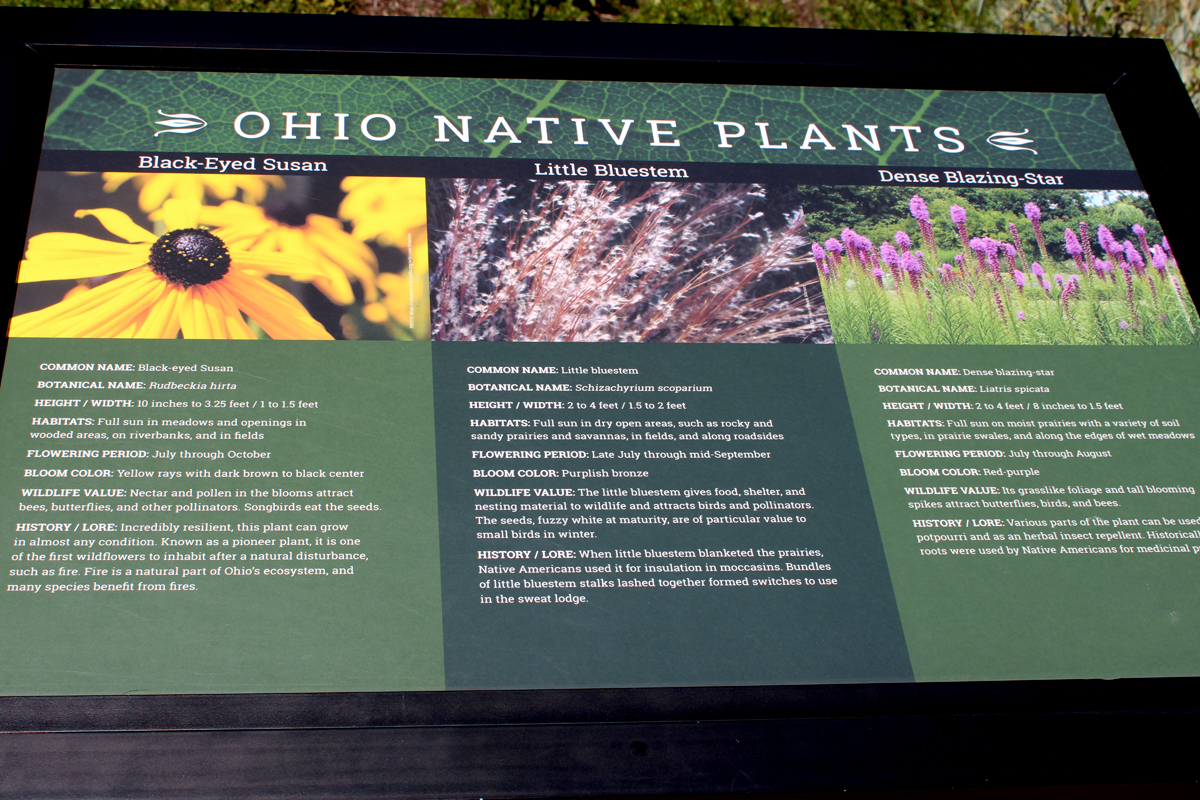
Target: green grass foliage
[[966, 302]]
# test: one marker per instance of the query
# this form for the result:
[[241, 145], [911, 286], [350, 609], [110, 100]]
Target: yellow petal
[[277, 312], [63, 269], [179, 213], [254, 189], [155, 189], [114, 319], [163, 319], [277, 263], [222, 187], [237, 327], [53, 320], [114, 180], [194, 316], [118, 223], [375, 312], [103, 311], [212, 307], [336, 288], [231, 213]]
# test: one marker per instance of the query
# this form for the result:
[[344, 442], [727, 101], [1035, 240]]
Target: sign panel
[[359, 383]]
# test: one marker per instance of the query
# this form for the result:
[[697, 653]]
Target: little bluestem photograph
[[622, 261]]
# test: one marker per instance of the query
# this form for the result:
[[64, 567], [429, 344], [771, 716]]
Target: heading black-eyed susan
[[188, 280]]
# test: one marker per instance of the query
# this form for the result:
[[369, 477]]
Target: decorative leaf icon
[[1011, 140], [179, 123]]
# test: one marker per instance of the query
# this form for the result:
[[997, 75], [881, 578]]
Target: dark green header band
[[314, 115]]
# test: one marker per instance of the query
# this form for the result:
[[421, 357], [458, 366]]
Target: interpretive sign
[[369, 383]]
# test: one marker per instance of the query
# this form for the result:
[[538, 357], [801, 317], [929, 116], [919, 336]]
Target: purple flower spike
[[1070, 290], [1088, 258], [977, 245], [1021, 316], [1016, 236], [1158, 258], [834, 246], [888, 255], [1038, 272], [1133, 256], [1010, 253], [878, 273], [1035, 216], [918, 209], [1019, 278], [1074, 248], [1140, 232], [959, 215], [818, 252], [1123, 325], [1047, 285], [1166, 246], [850, 240], [1058, 279], [1107, 240], [912, 265], [903, 240]]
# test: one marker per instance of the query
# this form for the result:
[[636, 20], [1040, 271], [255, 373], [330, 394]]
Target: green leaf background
[[114, 110]]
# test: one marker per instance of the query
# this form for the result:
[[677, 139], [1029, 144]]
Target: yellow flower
[[387, 210], [319, 239], [157, 188], [187, 279], [405, 297]]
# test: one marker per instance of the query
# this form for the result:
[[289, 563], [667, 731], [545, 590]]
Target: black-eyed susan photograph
[[199, 256], [622, 261]]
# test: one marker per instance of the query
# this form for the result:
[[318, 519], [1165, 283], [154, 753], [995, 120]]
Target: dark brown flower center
[[189, 257]]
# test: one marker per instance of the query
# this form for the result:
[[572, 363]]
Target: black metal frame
[[621, 741]]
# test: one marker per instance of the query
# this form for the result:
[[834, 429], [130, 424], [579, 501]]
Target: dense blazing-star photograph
[[617, 261], [997, 266], [197, 256]]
